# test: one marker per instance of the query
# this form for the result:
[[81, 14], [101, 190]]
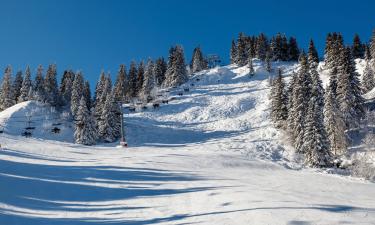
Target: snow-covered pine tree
[[105, 128], [159, 71], [276, 48], [328, 50], [349, 91], [293, 49], [85, 131], [333, 120], [301, 96], [87, 94], [116, 118], [372, 45], [26, 86], [176, 72], [268, 62], [50, 86], [121, 85], [313, 54], [197, 62], [77, 93], [367, 55], [357, 47], [99, 106], [284, 48], [251, 47], [38, 92], [99, 87], [17, 85], [149, 80], [66, 86], [261, 47], [368, 80], [6, 93], [251, 67], [132, 93], [140, 77], [279, 111], [241, 50], [233, 53]]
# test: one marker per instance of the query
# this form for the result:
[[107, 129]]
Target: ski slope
[[210, 156]]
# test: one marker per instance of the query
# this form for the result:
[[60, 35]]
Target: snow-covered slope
[[207, 157]]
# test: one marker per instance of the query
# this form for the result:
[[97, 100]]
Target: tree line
[[98, 117], [318, 120]]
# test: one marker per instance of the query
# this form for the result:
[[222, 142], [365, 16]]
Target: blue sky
[[95, 35]]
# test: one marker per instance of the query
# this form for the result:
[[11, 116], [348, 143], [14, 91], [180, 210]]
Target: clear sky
[[95, 35]]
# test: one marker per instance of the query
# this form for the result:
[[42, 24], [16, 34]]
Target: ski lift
[[56, 130], [29, 128], [56, 124], [26, 134]]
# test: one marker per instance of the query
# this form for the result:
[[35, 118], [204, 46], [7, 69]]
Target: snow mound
[[37, 118]]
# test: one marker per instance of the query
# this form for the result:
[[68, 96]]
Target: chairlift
[[26, 134], [56, 130], [29, 128]]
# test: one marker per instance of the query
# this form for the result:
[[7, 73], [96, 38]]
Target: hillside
[[210, 156]]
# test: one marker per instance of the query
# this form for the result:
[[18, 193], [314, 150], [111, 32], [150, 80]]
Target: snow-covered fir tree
[[132, 93], [99, 87], [367, 54], [38, 92], [6, 92], [241, 59], [300, 97], [279, 111], [176, 72], [66, 86], [333, 120], [159, 70], [261, 47], [77, 93], [50, 86], [313, 53], [26, 86], [99, 106], [368, 79], [121, 85], [198, 63], [87, 94], [140, 77], [233, 53], [106, 126], [149, 80], [349, 90], [358, 49], [116, 118], [251, 67], [85, 132], [372, 45], [293, 49], [17, 85], [268, 63]]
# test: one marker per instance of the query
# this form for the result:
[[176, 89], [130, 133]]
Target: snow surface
[[210, 156]]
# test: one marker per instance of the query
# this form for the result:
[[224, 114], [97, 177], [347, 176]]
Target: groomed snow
[[210, 156]]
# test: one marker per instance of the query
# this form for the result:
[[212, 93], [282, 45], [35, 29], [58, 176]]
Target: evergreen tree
[[121, 85], [116, 118], [251, 67], [26, 86], [17, 85], [66, 86], [313, 54], [149, 81], [241, 50], [301, 96], [77, 93], [261, 47], [333, 120], [6, 93], [176, 72], [140, 77], [132, 80], [159, 71], [233, 53], [39, 93], [106, 90], [368, 81], [99, 87], [293, 49], [197, 62], [87, 94], [50, 87], [284, 48], [367, 54], [268, 63], [106, 130], [349, 92], [85, 131], [357, 47], [279, 100], [276, 48], [372, 45]]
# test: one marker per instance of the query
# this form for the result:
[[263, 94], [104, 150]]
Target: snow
[[210, 156]]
